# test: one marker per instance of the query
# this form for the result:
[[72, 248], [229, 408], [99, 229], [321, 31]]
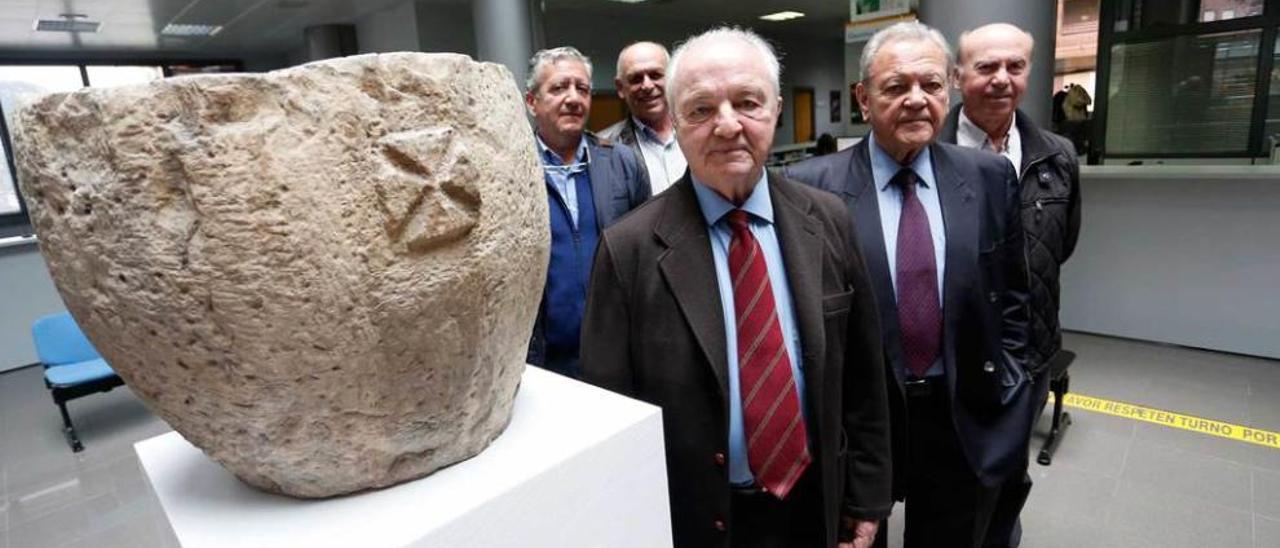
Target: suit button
[[719, 524], [993, 297], [989, 367], [719, 459]]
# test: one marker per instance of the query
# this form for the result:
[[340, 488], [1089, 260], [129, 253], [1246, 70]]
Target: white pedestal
[[577, 466]]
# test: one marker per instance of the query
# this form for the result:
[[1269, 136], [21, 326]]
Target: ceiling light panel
[[782, 16], [176, 29]]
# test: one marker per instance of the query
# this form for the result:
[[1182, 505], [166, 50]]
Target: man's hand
[[864, 533]]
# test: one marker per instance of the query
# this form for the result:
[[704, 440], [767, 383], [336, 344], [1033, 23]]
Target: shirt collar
[[884, 167], [968, 134], [549, 157], [714, 206]]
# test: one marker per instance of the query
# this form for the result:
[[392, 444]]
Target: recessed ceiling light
[[782, 16], [175, 29], [629, 1], [69, 22]]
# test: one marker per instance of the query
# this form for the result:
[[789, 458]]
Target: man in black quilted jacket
[[994, 65]]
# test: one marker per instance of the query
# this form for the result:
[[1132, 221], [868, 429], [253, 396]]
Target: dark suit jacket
[[1050, 196], [624, 132], [618, 184], [984, 297], [654, 330]]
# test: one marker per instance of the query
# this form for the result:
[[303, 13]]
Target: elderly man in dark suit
[[938, 225], [993, 69], [738, 302], [590, 184]]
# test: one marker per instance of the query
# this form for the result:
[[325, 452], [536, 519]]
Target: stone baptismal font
[[324, 277]]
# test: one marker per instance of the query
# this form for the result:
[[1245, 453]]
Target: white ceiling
[[265, 25]]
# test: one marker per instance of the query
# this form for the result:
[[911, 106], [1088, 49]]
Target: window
[[107, 76], [19, 83], [1189, 95]]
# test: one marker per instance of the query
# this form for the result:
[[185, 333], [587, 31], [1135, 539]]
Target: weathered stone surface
[[324, 277]]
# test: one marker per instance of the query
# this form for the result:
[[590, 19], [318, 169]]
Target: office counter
[[1188, 255]]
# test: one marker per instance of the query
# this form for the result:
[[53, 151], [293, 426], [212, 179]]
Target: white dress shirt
[[968, 134]]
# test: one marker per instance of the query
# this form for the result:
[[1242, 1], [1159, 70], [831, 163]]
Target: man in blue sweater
[[590, 184]]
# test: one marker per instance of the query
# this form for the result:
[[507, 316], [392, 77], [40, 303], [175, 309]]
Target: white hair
[[723, 34], [619, 74], [906, 31], [551, 56]]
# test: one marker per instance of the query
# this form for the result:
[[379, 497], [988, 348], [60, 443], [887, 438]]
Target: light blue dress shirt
[[760, 209], [889, 197], [561, 176]]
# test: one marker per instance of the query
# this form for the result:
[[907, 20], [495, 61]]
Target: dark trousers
[[1006, 529], [946, 506], [760, 520]]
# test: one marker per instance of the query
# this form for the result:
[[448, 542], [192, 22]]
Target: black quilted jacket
[[1050, 188]]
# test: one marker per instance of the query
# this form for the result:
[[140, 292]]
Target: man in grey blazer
[[738, 302], [590, 184]]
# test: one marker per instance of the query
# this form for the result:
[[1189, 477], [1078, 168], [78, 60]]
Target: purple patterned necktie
[[919, 314]]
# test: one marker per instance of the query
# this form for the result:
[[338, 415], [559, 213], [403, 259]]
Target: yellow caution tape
[[1256, 436]]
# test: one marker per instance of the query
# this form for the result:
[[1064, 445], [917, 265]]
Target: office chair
[[72, 368]]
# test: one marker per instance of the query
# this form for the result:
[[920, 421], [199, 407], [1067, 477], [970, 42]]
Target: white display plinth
[[577, 466]]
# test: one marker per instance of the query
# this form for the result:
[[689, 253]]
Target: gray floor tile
[[1059, 492], [1164, 518], [1265, 457], [1266, 493], [1266, 532], [1094, 443], [1264, 406], [1195, 442], [1199, 399], [1065, 531], [1168, 470], [4, 502]]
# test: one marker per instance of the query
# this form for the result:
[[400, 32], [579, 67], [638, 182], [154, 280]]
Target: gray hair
[[725, 34], [906, 31], [552, 56], [619, 75]]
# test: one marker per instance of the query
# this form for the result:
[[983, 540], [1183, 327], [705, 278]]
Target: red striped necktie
[[777, 442]]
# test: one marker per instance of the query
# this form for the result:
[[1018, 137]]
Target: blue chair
[[72, 368]]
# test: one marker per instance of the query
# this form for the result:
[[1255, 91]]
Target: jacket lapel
[[600, 173], [798, 235], [960, 217], [864, 203], [689, 270]]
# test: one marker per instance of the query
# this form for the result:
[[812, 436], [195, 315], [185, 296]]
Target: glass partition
[[1187, 95]]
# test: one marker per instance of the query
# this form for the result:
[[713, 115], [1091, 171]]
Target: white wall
[[818, 64], [1179, 254], [26, 293], [392, 29], [445, 28]]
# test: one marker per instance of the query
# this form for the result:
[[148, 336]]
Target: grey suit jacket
[[654, 330], [985, 328]]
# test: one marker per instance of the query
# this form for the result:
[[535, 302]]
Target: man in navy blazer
[[939, 228], [590, 184]]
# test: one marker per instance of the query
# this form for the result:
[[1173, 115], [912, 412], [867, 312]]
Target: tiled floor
[[1114, 483]]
